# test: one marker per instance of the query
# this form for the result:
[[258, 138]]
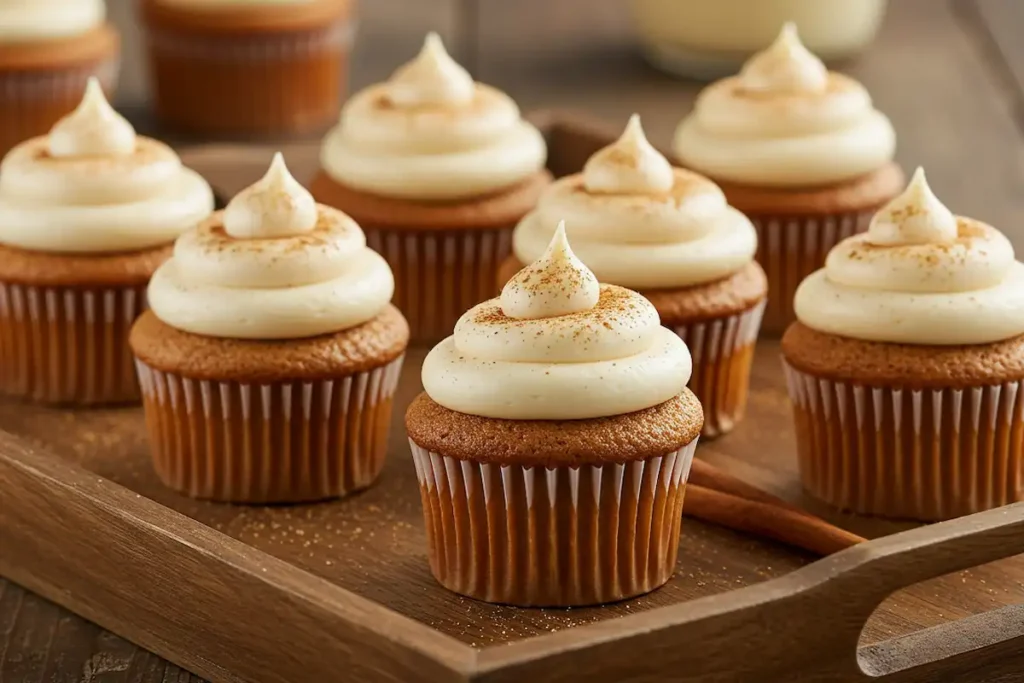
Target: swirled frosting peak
[[93, 129], [638, 222], [549, 349], [785, 121], [786, 66], [276, 206], [920, 275], [267, 268], [431, 133], [555, 284], [432, 78], [93, 186], [629, 165], [915, 217]]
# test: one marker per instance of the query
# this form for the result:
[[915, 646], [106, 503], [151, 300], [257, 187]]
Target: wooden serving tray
[[342, 592]]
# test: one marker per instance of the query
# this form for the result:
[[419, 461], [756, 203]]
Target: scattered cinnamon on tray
[[719, 498]]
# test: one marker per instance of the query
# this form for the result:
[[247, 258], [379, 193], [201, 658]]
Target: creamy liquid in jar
[[712, 38]]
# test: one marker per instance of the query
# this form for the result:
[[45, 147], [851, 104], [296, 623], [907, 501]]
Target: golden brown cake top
[[52, 269], [857, 195], [242, 17], [912, 366], [647, 433], [492, 211], [327, 356], [97, 45]]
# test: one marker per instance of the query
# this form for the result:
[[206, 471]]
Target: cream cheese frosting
[[920, 275], [556, 345], [785, 121], [27, 20], [638, 222], [431, 133], [272, 265], [93, 186]]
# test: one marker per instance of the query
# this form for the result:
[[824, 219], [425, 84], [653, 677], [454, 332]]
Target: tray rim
[[863, 576]]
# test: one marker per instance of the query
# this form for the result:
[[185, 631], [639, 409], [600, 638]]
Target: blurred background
[[949, 73]]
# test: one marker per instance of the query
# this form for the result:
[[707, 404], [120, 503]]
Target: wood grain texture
[[932, 71]]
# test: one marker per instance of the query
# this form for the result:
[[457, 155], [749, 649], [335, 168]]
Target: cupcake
[[248, 67], [801, 151], [271, 355], [87, 214], [438, 170], [48, 50], [637, 222], [906, 368], [554, 441]]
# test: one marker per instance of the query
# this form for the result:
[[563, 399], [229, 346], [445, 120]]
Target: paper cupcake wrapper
[[288, 82], [905, 453], [552, 537], [723, 353], [791, 248], [439, 275], [32, 101], [268, 443], [68, 346]]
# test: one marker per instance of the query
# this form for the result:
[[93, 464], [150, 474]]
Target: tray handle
[[802, 626]]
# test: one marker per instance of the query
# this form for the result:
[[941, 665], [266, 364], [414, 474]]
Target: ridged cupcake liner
[[284, 442], [556, 537], [439, 275], [66, 345], [282, 82], [790, 248], [906, 453], [32, 101], [723, 353]]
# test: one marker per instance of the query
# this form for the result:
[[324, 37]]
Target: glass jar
[[710, 39]]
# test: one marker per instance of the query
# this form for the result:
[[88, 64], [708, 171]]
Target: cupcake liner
[[723, 353], [268, 443], [32, 101], [439, 275], [283, 82], [552, 537], [906, 453], [790, 248], [68, 346]]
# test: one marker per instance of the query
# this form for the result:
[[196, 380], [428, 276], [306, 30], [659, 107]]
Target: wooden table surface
[[950, 74]]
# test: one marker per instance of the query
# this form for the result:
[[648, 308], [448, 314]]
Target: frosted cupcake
[[800, 150], [48, 50], [87, 213], [554, 441], [248, 67], [438, 170], [906, 367], [668, 233], [270, 357]]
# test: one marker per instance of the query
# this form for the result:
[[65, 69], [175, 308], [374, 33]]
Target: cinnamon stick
[[792, 527], [705, 474]]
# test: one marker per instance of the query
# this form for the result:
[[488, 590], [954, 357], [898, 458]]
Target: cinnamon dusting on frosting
[[914, 217], [556, 284], [275, 206]]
